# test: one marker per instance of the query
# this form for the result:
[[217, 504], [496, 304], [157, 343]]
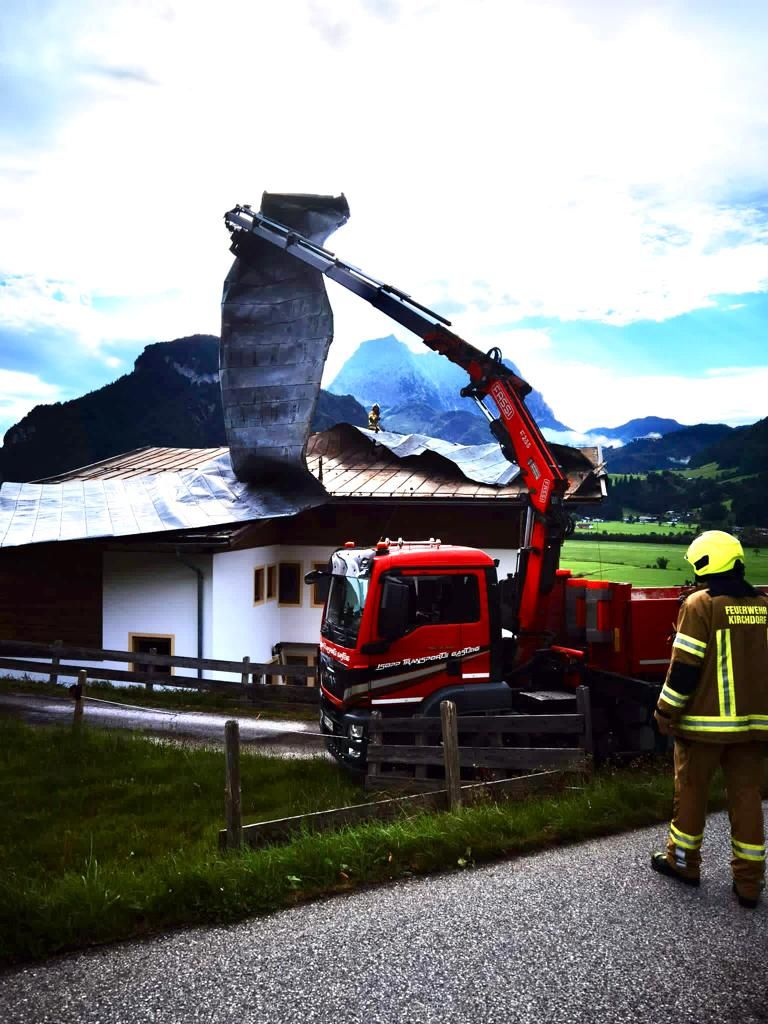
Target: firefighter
[[374, 418], [715, 703]]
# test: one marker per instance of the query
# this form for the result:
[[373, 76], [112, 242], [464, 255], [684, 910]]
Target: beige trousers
[[743, 768]]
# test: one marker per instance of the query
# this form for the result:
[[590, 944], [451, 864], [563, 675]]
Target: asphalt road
[[274, 736], [579, 934]]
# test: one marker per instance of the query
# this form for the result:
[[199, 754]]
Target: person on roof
[[374, 418], [715, 703]]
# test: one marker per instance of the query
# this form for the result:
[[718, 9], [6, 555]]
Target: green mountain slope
[[171, 399]]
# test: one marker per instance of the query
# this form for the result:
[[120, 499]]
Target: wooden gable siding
[[51, 592], [482, 526]]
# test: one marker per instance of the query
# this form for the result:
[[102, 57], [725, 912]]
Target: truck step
[[542, 701]]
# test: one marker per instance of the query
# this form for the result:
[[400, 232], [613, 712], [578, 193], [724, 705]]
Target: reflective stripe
[[680, 838], [721, 723], [678, 700], [689, 644], [748, 851], [725, 674]]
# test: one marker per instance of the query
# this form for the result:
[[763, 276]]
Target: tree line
[[719, 502]]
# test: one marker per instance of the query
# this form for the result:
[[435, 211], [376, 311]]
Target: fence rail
[[148, 669], [36, 650], [475, 742]]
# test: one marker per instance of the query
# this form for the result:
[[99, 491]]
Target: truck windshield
[[344, 611]]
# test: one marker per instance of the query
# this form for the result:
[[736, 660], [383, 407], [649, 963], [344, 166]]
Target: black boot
[[660, 863], [745, 901]]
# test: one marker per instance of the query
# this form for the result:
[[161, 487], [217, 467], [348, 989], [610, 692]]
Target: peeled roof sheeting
[[192, 489], [138, 504]]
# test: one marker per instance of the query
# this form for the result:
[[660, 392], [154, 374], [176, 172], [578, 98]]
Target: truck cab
[[407, 624]]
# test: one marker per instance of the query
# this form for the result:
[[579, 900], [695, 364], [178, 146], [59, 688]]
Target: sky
[[582, 183]]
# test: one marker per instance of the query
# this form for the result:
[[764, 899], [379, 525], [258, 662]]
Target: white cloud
[[584, 395], [580, 439], [19, 393], [579, 159]]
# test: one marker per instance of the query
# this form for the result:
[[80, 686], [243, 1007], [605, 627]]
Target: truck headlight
[[356, 731]]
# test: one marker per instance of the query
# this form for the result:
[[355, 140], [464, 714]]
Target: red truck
[[408, 624]]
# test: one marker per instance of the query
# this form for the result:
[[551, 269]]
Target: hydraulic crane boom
[[515, 429]]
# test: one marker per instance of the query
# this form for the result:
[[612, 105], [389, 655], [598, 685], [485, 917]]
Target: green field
[[635, 562], [107, 836], [635, 529]]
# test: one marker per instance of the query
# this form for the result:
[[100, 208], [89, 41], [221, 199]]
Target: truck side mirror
[[393, 610]]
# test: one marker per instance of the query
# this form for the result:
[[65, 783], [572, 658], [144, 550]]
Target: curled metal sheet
[[151, 503], [483, 463], [276, 329]]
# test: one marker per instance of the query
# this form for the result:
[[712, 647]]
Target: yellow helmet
[[714, 551]]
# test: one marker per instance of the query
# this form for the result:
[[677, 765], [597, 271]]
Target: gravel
[[581, 933]]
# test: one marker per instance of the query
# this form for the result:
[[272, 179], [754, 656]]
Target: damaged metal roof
[[152, 490]]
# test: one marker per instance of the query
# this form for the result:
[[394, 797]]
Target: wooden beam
[[35, 650], [451, 758], [481, 757], [232, 800], [484, 725]]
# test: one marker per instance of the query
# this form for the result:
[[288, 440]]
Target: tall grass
[[106, 835]]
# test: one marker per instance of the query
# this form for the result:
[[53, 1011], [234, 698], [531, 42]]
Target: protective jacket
[[716, 689]]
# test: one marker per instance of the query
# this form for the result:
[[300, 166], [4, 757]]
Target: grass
[[628, 562], [170, 699], [636, 529], [107, 836], [710, 471]]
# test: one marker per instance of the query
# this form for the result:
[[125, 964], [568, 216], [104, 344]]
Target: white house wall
[[155, 594], [241, 627]]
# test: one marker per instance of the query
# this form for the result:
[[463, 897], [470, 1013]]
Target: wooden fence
[[57, 661], [475, 742], [446, 793]]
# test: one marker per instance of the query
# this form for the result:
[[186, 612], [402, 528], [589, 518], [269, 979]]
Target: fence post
[[150, 670], [53, 678], [232, 804], [584, 707], [78, 691], [451, 753], [244, 678]]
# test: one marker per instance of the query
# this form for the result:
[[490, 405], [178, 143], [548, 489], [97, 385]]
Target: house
[[236, 588]]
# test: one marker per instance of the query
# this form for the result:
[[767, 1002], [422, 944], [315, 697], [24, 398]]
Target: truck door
[[443, 619]]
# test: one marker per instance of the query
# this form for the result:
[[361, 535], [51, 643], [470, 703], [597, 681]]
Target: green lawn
[[636, 562], [106, 836], [710, 471], [635, 529]]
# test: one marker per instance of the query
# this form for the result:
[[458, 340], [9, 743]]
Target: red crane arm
[[515, 430]]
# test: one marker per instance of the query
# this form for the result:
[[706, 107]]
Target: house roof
[[153, 490]]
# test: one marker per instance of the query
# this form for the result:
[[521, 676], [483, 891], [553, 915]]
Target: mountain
[[675, 450], [462, 426], [416, 390], [171, 399], [634, 429], [744, 449]]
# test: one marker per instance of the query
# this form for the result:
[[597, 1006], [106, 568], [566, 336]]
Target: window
[[147, 643], [271, 582], [320, 587], [258, 584], [442, 600], [344, 613], [289, 583]]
